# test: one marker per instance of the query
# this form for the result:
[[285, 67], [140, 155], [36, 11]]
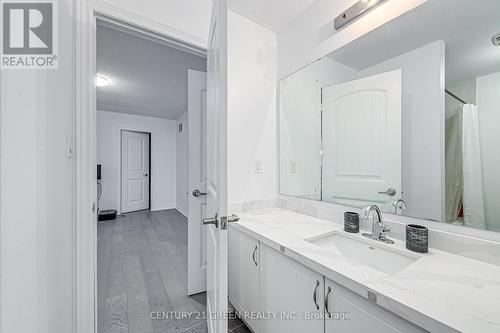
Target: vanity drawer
[[349, 312]]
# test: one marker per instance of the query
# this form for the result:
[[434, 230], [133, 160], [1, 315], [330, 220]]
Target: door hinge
[[93, 207]]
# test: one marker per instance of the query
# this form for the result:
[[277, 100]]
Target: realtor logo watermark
[[29, 35]]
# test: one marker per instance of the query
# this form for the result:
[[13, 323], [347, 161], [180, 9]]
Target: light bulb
[[102, 81]]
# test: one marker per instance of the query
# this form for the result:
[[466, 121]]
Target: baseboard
[[166, 207], [182, 211]]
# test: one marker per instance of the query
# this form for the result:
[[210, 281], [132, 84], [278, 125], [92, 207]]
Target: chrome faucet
[[379, 229], [399, 204]]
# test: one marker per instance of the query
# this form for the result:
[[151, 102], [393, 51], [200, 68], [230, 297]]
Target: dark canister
[[351, 222], [417, 238]]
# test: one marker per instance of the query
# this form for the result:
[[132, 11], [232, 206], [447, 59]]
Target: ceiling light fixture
[[102, 81], [357, 10]]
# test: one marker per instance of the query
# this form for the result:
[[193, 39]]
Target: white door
[[362, 141], [135, 171], [217, 237], [197, 206]]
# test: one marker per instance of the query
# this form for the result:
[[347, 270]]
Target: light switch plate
[[257, 167], [69, 145], [293, 167]]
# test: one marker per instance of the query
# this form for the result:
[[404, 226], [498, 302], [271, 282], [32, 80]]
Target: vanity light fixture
[[356, 11], [102, 81]]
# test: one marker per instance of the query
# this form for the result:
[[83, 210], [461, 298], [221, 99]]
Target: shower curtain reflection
[[472, 169], [464, 180]]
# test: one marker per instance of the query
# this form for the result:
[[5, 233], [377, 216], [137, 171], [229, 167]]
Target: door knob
[[224, 220], [212, 220], [145, 175], [390, 192], [197, 193]]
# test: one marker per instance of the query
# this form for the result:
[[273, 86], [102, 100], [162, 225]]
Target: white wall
[[312, 36], [188, 20], [37, 215], [251, 110], [466, 89], [488, 106], [37, 222], [182, 161], [163, 157], [422, 128]]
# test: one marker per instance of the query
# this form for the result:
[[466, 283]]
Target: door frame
[[120, 175], [85, 127]]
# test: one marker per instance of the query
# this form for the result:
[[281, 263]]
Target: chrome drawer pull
[[315, 295], [327, 305], [253, 255]]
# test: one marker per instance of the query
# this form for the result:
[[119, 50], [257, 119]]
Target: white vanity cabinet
[[349, 312], [274, 291], [289, 289], [244, 275]]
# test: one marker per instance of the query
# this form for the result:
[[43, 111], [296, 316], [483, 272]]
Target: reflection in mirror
[[409, 127], [300, 131], [362, 141], [472, 121]]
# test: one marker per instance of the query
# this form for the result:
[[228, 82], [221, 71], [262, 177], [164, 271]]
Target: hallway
[[142, 268]]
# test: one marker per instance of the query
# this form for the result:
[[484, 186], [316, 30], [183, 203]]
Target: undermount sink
[[366, 252]]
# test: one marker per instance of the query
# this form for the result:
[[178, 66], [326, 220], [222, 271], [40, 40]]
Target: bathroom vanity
[[285, 265], [406, 118]]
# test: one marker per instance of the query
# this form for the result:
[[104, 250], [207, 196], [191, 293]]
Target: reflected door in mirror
[[362, 141]]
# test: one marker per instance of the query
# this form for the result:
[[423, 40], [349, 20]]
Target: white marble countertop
[[439, 292]]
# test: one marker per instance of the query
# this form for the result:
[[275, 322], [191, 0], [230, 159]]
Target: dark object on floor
[[417, 238], [107, 215]]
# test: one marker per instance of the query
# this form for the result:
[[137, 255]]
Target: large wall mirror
[[406, 117]]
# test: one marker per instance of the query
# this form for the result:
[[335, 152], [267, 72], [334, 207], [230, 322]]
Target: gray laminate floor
[[142, 269]]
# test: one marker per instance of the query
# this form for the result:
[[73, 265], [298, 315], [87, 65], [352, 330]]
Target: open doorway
[[144, 101]]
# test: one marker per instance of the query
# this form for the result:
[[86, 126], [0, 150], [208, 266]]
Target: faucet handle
[[384, 229]]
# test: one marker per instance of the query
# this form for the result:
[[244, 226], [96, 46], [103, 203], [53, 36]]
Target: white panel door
[[135, 171], [197, 203], [217, 237], [362, 140], [291, 291]]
